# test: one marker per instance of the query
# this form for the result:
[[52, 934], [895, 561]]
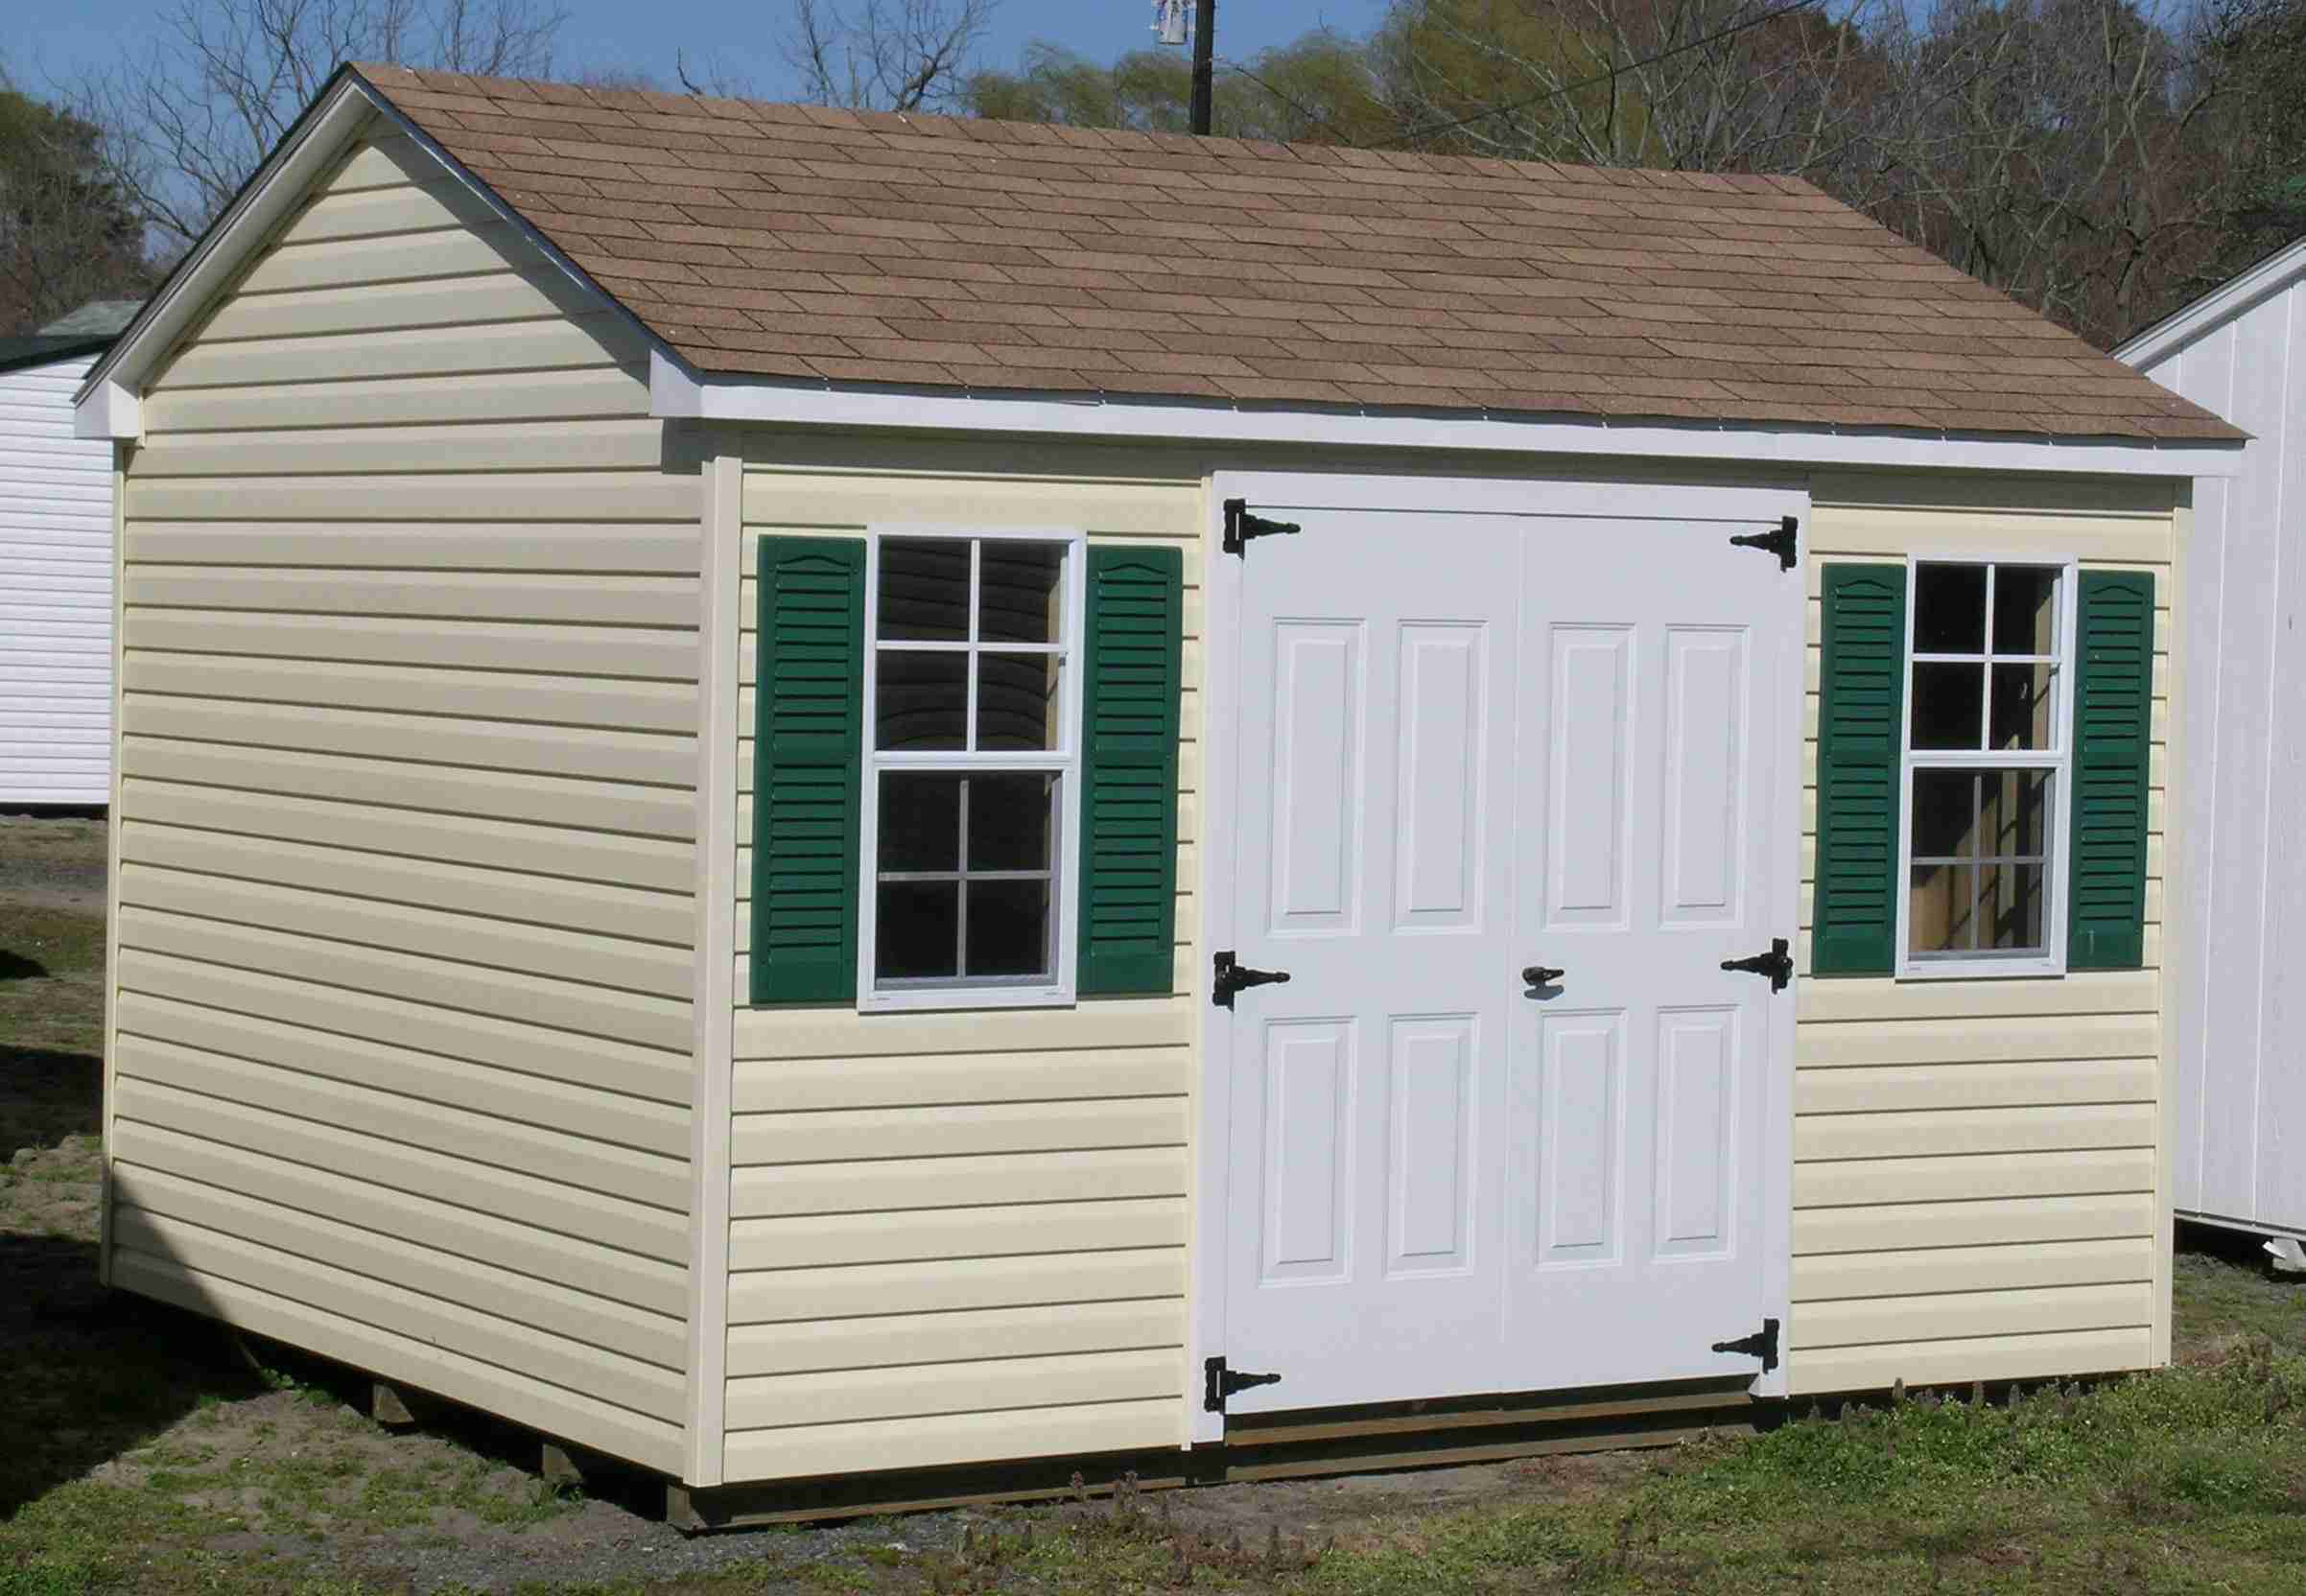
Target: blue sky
[[56, 40]]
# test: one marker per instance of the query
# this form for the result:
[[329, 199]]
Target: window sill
[[920, 1000], [1982, 969]]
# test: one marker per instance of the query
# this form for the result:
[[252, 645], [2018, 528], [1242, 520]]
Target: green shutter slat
[[806, 762], [2113, 735], [1860, 721], [1131, 681]]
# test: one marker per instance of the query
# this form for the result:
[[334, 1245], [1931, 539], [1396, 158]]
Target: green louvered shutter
[[1860, 708], [809, 737], [2113, 734], [1130, 685]]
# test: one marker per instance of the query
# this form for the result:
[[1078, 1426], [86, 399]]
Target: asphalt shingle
[[801, 243]]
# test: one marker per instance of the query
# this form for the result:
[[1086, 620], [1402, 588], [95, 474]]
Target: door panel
[[1644, 1246], [1317, 775], [1430, 1148], [1581, 1065], [1309, 1151], [1443, 739], [1375, 748]]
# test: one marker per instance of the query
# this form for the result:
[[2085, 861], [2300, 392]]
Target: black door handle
[[1539, 974]]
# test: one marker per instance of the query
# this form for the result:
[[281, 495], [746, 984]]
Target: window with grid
[[1990, 668], [971, 764]]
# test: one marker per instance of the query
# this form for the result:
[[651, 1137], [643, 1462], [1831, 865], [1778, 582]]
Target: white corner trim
[[676, 392], [2221, 304], [720, 563], [109, 411]]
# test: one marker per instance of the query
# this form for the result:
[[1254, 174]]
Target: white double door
[[1469, 745]]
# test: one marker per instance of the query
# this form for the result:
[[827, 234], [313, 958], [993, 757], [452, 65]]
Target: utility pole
[[1205, 60]]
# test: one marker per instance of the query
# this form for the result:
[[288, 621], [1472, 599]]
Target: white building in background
[[2241, 1152], [55, 569]]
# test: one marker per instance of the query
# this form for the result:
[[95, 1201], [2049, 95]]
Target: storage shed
[[55, 569], [808, 797], [2240, 1158]]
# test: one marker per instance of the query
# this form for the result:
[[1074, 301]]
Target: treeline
[[2102, 160]]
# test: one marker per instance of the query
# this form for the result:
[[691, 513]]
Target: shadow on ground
[[93, 1374]]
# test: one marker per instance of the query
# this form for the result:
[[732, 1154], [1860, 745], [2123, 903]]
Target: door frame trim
[[1209, 1225]]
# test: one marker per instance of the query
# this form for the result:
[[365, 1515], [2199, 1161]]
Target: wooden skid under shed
[[1332, 1441]]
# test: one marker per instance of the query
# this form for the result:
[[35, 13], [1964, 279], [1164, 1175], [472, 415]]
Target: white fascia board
[[110, 403], [2222, 303], [676, 392]]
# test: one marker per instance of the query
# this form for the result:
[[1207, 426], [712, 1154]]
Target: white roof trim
[[2230, 300], [110, 403], [676, 392]]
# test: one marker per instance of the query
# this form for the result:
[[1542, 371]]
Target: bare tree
[[196, 114], [1694, 85], [2068, 151], [2073, 153], [886, 55]]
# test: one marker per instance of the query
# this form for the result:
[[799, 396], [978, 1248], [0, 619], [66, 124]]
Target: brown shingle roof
[[800, 243]]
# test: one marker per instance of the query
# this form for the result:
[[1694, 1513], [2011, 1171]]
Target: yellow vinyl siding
[[407, 822], [958, 1237], [1975, 1182]]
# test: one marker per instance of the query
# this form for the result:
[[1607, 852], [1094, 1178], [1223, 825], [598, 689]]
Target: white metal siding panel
[[2241, 1153], [912, 1189], [407, 824], [55, 594], [1974, 1182]]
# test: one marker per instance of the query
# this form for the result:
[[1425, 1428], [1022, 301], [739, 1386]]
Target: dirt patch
[[52, 862]]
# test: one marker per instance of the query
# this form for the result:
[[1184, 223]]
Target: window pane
[[1950, 609], [1017, 701], [2025, 610], [920, 823], [1949, 703], [1010, 824], [2014, 813], [1946, 815], [922, 702], [917, 925], [1022, 591], [925, 588], [1008, 929], [2009, 907], [1942, 911], [2022, 713]]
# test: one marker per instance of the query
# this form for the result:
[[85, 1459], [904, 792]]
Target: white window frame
[[2059, 761], [1063, 762]]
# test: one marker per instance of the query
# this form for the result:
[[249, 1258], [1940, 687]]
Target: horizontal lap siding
[[55, 594], [1975, 1187], [406, 884], [958, 1237]]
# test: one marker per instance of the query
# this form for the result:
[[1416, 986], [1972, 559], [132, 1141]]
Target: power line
[[1615, 72], [1294, 105]]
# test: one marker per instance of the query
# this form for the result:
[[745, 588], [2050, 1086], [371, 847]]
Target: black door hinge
[[1778, 964], [1221, 1382], [1233, 977], [1779, 541], [1762, 1344], [1240, 527]]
